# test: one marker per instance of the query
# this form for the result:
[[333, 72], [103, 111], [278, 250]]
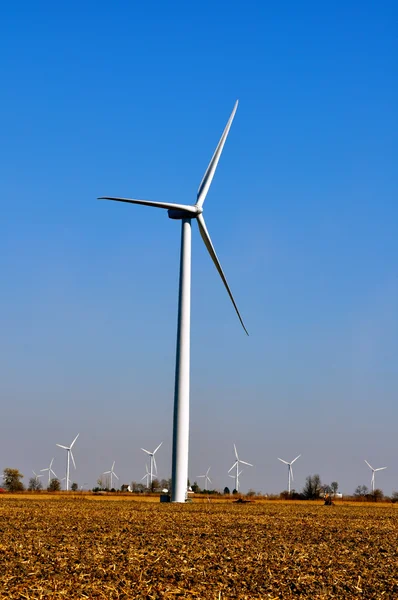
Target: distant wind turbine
[[111, 473], [290, 469], [206, 478], [50, 470], [236, 467], [185, 213], [69, 454], [37, 477], [146, 476], [152, 461], [373, 474]]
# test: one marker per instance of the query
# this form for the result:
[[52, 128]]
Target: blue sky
[[130, 99]]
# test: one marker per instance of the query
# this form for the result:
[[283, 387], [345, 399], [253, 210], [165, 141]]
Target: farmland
[[100, 548]]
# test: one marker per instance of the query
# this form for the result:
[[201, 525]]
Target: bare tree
[[312, 487], [35, 485]]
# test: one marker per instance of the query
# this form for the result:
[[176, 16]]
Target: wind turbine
[[152, 461], [373, 474], [37, 477], [206, 478], [236, 467], [146, 476], [69, 454], [185, 213], [290, 469], [111, 473], [50, 470]]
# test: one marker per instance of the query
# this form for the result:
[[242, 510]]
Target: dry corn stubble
[[66, 548]]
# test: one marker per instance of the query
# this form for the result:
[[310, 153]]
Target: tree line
[[312, 490]]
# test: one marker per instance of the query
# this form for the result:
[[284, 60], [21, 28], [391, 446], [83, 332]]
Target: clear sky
[[130, 99]]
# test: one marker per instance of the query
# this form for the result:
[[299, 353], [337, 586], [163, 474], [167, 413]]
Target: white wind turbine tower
[[206, 478], [236, 467], [146, 476], [50, 470], [111, 473], [69, 454], [152, 462], [185, 213], [373, 474], [290, 469]]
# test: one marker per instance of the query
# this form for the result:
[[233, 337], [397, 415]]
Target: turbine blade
[[291, 472], [73, 460], [233, 466], [211, 169], [157, 448], [142, 478], [113, 465], [381, 469], [155, 465], [209, 480], [74, 440], [106, 473], [115, 476], [295, 459], [207, 472], [44, 469], [166, 205], [208, 243], [147, 451], [55, 475], [245, 463], [370, 467], [236, 453], [64, 447], [284, 461]]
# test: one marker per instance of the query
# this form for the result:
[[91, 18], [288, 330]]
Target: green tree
[[74, 487], [334, 486], [54, 486], [12, 480]]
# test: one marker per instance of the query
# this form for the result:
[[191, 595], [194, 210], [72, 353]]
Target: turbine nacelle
[[179, 214]]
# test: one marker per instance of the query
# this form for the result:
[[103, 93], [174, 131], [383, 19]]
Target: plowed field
[[77, 548]]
